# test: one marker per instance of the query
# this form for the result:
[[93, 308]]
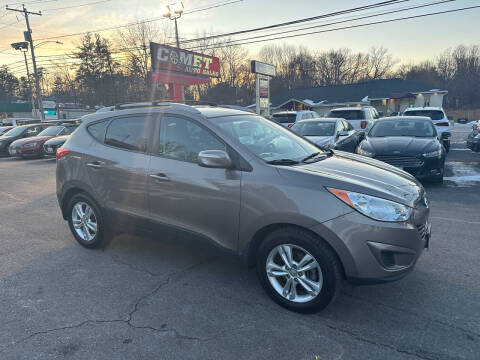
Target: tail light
[[61, 152], [363, 124], [290, 125], [442, 124]]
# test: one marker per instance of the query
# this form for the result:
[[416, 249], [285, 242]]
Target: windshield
[[267, 140], [284, 118], [413, 128], [347, 114], [15, 131], [314, 128], [51, 131], [4, 130], [432, 114]]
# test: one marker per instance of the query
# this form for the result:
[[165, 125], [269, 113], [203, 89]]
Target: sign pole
[[257, 93]]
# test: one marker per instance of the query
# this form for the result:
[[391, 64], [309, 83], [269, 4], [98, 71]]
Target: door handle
[[160, 177], [95, 164]]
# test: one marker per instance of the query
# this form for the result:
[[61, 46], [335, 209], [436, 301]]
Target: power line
[[29, 2], [339, 22], [77, 6], [342, 28], [224, 3], [365, 7]]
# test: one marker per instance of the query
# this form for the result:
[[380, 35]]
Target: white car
[[288, 118], [361, 118], [438, 117]]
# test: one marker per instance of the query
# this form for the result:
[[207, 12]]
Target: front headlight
[[432, 154], [373, 207], [360, 151], [32, 144]]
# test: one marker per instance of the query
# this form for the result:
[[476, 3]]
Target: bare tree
[[380, 63]]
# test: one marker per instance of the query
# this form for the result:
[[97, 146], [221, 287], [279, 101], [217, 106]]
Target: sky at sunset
[[410, 40]]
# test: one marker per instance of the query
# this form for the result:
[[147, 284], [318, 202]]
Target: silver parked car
[[328, 133], [306, 218]]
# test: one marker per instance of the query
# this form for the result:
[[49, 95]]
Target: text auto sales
[[187, 61]]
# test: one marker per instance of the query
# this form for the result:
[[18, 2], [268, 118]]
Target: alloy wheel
[[294, 273], [84, 221]]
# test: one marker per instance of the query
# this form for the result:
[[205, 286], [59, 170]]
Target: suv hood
[[400, 145], [357, 173]]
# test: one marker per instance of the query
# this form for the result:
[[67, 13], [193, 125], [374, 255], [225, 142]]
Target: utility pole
[[28, 37]]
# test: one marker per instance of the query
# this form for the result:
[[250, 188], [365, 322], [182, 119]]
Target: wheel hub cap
[[294, 273]]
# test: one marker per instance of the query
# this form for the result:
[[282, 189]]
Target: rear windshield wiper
[[283, 162]]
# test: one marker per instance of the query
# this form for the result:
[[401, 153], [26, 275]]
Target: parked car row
[[416, 144], [473, 139], [35, 140]]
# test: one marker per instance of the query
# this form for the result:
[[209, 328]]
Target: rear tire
[[299, 290], [86, 221]]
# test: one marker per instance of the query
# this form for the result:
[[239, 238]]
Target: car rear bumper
[[374, 251]]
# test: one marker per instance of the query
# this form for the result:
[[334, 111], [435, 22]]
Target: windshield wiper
[[282, 162], [325, 153], [311, 156]]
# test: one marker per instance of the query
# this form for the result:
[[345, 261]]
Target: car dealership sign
[[168, 58]]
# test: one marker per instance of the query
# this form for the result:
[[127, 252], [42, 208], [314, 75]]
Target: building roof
[[376, 89]]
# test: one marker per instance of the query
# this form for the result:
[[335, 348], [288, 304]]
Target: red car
[[33, 146]]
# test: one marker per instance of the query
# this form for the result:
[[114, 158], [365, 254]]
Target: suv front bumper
[[375, 251]]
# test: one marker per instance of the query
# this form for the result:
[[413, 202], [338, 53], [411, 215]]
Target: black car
[[409, 143], [19, 132], [473, 139], [50, 147]]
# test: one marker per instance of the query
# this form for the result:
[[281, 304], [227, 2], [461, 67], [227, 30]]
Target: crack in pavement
[[129, 317], [404, 311], [390, 347], [133, 267]]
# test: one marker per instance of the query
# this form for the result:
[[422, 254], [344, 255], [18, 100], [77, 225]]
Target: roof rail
[[157, 103]]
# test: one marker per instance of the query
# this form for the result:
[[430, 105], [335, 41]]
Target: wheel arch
[[71, 192], [254, 244]]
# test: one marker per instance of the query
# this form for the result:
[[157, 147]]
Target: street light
[[23, 47], [46, 42], [173, 12]]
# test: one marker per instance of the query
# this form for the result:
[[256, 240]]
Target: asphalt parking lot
[[158, 298]]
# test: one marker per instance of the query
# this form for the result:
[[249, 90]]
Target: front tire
[[298, 270], [86, 221]]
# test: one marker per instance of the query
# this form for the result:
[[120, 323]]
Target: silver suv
[[306, 218]]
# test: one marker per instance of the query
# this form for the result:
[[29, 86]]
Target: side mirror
[[214, 159], [445, 135]]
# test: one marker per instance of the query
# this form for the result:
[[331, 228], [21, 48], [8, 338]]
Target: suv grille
[[405, 161]]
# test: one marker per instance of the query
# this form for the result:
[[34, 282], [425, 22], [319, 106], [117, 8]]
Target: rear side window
[[347, 114], [432, 114], [128, 134], [285, 118], [98, 130]]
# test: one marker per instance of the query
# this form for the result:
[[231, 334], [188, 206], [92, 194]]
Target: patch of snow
[[463, 175]]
